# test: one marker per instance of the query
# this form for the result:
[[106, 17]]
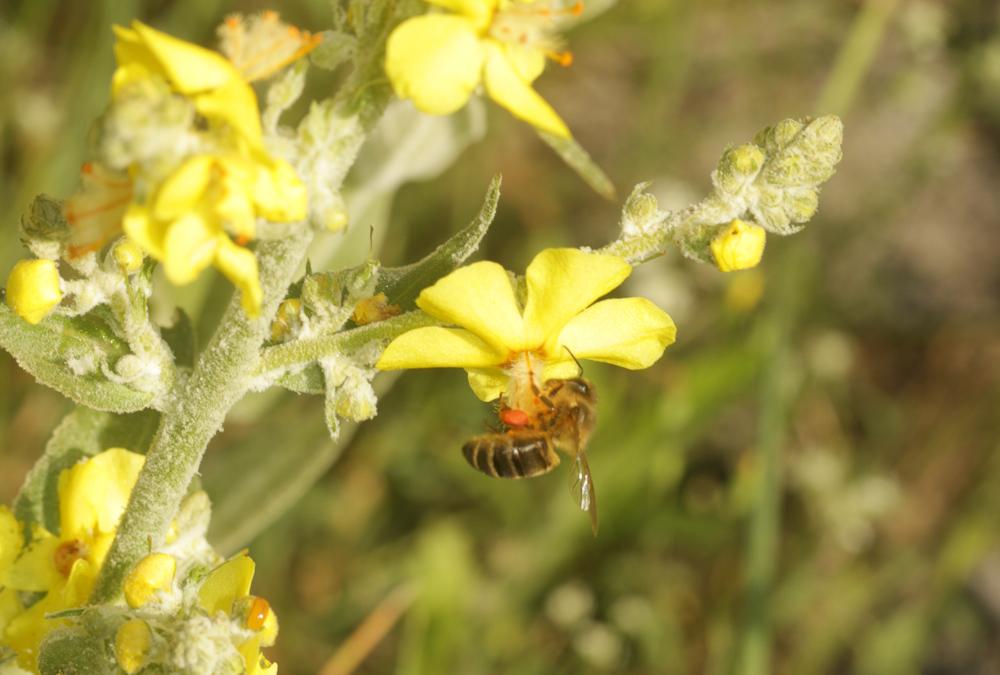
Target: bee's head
[[582, 387]]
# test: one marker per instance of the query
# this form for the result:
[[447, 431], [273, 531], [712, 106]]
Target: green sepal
[[576, 158], [402, 285], [44, 349], [82, 433]]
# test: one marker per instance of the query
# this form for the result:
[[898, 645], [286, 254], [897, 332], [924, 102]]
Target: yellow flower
[[92, 497], [226, 590], [505, 347], [186, 223], [33, 289], [207, 78], [437, 60], [738, 247], [187, 219]]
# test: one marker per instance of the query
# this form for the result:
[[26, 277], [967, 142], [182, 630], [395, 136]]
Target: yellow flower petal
[[93, 494], [561, 283], [189, 247], [480, 298], [509, 89], [279, 194], [35, 569], [226, 584], [235, 104], [479, 11], [10, 606], [487, 383], [11, 540], [184, 188], [436, 61], [142, 229], [253, 661], [627, 332], [240, 267], [33, 289], [437, 347], [190, 68], [527, 61]]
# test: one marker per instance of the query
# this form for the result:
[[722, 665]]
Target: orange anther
[[243, 239], [88, 167], [270, 15], [257, 614], [577, 9], [232, 21]]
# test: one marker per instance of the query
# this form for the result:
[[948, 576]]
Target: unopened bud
[[34, 289], [128, 256], [152, 574], [738, 167], [287, 320], [132, 643], [739, 246]]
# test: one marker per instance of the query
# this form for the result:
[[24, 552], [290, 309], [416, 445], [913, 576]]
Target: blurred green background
[[812, 466]]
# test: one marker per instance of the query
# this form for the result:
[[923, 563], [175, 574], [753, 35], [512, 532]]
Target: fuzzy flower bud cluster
[[777, 177]]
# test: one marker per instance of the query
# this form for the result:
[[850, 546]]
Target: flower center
[[68, 553], [525, 380], [534, 26]]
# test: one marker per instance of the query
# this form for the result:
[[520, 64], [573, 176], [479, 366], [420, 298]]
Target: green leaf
[[45, 349], [402, 285], [308, 380], [82, 433], [577, 159]]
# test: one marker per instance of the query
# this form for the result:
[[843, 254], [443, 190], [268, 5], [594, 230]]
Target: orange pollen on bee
[[67, 554], [514, 418], [257, 614]]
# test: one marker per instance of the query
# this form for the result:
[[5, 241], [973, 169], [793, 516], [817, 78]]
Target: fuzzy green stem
[[196, 413], [315, 349]]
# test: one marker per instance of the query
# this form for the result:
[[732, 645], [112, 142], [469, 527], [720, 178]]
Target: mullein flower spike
[[438, 59], [505, 347], [200, 207]]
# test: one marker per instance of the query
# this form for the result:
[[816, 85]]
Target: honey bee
[[526, 444]]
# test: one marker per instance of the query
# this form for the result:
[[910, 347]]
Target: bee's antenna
[[575, 360]]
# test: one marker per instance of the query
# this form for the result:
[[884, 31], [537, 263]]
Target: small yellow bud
[[132, 645], [375, 308], [287, 319], [33, 289], [738, 247], [128, 255], [153, 573]]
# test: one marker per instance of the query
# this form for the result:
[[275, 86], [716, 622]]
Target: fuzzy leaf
[[308, 380], [402, 285], [580, 161], [44, 350], [82, 433]]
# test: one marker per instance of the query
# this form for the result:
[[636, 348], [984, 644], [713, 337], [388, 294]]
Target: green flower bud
[[738, 167]]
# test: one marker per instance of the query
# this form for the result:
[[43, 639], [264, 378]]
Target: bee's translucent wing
[[583, 489]]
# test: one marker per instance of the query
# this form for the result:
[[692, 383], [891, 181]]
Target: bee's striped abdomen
[[520, 454]]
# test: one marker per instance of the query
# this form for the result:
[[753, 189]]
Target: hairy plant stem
[[195, 414], [198, 406]]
